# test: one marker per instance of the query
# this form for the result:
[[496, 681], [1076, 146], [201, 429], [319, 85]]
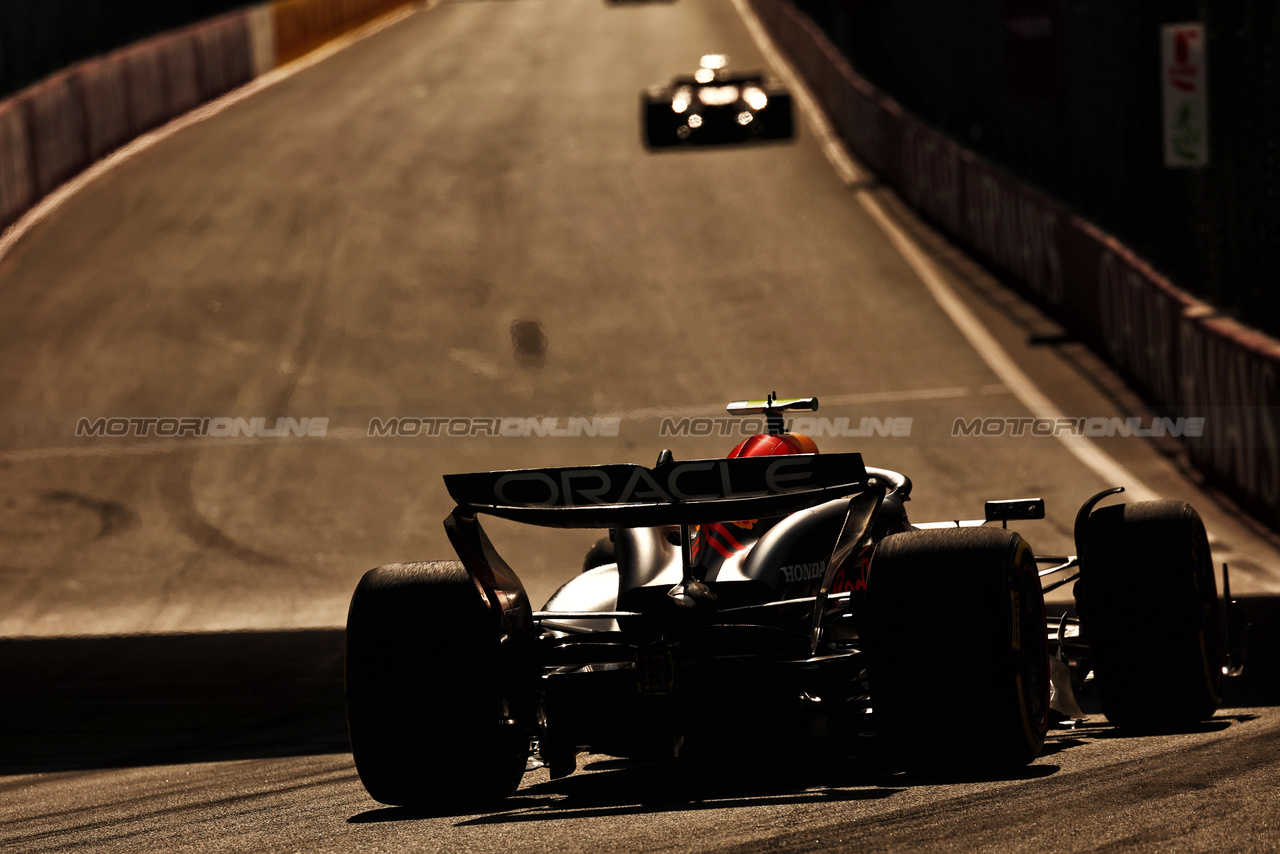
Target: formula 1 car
[[714, 106], [777, 597]]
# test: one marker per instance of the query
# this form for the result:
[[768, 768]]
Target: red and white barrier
[[58, 144], [104, 91], [144, 76], [17, 177]]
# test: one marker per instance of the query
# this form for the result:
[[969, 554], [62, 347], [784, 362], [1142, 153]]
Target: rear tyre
[[1148, 607], [779, 117], [659, 121], [956, 640], [424, 676]]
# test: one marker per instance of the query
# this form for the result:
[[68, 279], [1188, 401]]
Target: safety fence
[[55, 128], [1185, 358], [1069, 96]]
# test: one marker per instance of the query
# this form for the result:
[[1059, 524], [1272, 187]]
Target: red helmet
[[765, 445], [774, 445], [771, 445]]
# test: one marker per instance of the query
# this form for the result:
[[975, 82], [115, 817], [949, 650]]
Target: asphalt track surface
[[455, 217]]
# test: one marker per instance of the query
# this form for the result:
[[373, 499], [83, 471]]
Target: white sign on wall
[[1184, 78]]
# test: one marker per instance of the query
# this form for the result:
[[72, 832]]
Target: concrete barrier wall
[[56, 122], [1229, 373], [224, 54], [51, 131], [301, 26], [1173, 348], [181, 76], [17, 175], [145, 76], [104, 91]]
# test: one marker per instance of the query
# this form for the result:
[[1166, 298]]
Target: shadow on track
[[128, 700], [619, 788], [616, 787], [96, 702]]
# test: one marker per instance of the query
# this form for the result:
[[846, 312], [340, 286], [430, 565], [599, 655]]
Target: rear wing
[[690, 492], [740, 78]]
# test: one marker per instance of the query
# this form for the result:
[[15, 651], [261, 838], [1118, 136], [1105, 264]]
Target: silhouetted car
[[716, 107], [777, 600]]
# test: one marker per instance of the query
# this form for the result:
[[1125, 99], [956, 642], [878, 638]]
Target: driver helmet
[[770, 445], [774, 445]]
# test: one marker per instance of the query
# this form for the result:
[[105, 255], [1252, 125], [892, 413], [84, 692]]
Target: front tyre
[[957, 650], [1148, 607], [424, 688]]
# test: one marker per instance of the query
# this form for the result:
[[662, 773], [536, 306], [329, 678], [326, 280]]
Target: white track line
[[51, 203], [983, 342]]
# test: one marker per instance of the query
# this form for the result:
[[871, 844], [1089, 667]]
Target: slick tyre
[[658, 121], [1148, 607], [958, 661], [424, 676], [780, 115]]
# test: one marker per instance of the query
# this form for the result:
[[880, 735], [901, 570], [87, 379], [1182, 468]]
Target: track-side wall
[[1169, 345], [53, 130]]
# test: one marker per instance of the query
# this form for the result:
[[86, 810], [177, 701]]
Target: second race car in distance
[[716, 107]]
